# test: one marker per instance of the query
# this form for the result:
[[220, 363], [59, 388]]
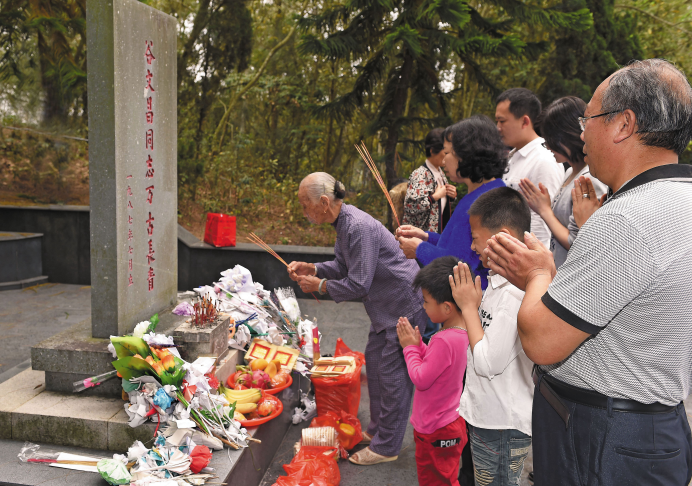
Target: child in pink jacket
[[437, 371]]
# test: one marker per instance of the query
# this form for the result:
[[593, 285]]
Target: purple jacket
[[369, 265]]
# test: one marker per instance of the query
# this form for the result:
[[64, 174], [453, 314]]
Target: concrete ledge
[[22, 284], [15, 392], [62, 419]]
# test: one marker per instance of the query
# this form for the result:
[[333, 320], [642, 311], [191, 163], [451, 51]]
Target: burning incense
[[363, 151], [258, 241]]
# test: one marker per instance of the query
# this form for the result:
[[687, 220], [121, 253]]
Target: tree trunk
[[398, 104], [201, 21]]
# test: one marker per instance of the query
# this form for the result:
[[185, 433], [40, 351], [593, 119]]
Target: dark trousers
[[390, 390], [601, 447]]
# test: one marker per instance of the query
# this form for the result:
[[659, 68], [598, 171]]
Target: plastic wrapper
[[346, 425], [113, 471], [81, 385], [312, 466], [337, 393], [34, 453], [288, 300]]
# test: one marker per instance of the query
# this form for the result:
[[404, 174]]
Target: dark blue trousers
[[604, 447]]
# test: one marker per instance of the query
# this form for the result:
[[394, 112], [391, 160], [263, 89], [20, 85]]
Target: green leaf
[[131, 367], [154, 321], [129, 346]]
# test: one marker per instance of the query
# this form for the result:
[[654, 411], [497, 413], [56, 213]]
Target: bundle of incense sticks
[[258, 241], [363, 151]]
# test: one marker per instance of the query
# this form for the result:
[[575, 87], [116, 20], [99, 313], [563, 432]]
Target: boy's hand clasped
[[466, 291], [407, 335]]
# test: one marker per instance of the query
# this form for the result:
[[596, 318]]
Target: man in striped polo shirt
[[611, 331]]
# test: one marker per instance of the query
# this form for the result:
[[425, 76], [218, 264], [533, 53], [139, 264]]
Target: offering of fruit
[[245, 407], [241, 396], [258, 364], [279, 379], [266, 408], [271, 370], [260, 380]]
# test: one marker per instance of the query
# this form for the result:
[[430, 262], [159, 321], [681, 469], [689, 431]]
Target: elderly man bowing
[[612, 329], [370, 266]]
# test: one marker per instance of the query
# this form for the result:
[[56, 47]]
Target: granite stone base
[[28, 412], [194, 341], [74, 355]]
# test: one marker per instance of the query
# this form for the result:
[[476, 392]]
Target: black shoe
[[531, 476]]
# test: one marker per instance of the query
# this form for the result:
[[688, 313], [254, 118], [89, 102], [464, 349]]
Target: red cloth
[[438, 462]]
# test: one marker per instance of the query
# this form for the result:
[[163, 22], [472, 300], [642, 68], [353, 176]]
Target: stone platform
[[85, 423], [74, 355]]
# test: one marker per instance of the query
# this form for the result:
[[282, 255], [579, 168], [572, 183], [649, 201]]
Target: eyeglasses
[[582, 119]]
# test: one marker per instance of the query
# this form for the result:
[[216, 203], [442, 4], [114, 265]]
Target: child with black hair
[[498, 396], [437, 371]]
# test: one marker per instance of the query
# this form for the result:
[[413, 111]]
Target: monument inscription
[[133, 163]]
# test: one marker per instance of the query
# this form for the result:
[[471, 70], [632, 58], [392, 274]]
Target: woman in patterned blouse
[[428, 198]]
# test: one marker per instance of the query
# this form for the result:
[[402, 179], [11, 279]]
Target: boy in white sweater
[[497, 400]]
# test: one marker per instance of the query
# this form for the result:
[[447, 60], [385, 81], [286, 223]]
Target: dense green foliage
[[270, 90]]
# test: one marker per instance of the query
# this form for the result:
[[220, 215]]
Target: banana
[[242, 396], [242, 393], [245, 408]]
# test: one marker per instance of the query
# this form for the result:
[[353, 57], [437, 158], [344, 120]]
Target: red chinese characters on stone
[[149, 139], [150, 168], [150, 225], [150, 194], [149, 77], [150, 255], [130, 236], [147, 53], [150, 278]]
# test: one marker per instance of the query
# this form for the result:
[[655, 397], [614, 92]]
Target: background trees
[[270, 90]]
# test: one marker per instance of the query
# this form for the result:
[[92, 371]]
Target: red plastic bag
[[343, 350], [220, 230], [347, 426], [312, 466], [337, 393]]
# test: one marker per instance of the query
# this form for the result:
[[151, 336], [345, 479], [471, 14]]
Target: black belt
[[554, 390]]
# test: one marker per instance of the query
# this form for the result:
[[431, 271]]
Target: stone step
[[28, 412]]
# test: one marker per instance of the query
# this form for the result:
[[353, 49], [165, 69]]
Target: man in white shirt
[[516, 112]]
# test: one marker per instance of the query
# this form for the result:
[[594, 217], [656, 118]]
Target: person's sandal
[[366, 457], [367, 438]]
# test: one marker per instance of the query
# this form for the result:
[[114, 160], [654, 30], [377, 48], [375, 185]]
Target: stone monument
[[132, 86], [131, 53]]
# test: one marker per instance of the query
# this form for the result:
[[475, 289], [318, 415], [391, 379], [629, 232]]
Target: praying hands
[[519, 262]]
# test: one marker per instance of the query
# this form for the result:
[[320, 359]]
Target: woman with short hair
[[475, 156]]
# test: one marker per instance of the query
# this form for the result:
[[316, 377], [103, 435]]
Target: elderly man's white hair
[[320, 184]]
